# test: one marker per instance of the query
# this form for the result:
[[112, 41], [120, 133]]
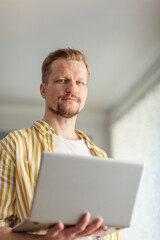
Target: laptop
[[69, 185]]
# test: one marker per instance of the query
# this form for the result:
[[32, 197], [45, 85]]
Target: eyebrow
[[65, 77]]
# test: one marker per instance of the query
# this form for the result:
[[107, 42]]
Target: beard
[[65, 110]]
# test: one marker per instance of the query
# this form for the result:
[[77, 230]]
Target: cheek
[[51, 93], [84, 97]]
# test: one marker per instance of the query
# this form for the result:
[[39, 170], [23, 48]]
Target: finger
[[100, 229], [80, 227], [54, 231], [93, 227]]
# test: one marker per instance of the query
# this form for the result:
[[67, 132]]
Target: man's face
[[66, 91]]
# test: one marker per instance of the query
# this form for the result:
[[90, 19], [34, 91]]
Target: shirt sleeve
[[7, 189]]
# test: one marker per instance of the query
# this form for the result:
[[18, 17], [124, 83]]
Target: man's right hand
[[59, 231], [82, 229]]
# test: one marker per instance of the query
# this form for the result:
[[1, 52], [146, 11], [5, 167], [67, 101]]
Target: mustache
[[71, 96]]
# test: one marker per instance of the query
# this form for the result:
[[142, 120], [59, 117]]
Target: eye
[[80, 83], [61, 81]]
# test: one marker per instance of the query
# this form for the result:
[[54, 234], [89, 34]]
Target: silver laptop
[[69, 185]]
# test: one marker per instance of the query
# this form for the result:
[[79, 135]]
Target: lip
[[70, 99]]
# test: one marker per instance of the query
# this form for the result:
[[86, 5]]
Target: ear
[[43, 90]]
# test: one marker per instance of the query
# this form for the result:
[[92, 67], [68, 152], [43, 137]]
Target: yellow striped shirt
[[20, 157]]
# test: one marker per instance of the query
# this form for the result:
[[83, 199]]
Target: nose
[[71, 87]]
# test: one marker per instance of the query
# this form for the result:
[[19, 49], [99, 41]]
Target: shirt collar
[[43, 127], [95, 151], [88, 142]]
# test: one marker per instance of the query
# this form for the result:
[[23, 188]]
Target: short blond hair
[[65, 53]]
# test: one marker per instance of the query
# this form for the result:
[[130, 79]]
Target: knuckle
[[82, 228]]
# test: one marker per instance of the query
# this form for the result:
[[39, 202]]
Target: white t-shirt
[[78, 147]]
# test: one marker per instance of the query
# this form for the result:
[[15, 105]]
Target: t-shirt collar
[[44, 128]]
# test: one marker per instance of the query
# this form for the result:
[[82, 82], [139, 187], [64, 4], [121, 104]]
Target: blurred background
[[121, 39]]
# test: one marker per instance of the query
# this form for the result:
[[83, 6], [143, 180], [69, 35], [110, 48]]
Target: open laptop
[[69, 185]]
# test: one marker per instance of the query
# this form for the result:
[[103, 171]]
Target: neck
[[63, 127]]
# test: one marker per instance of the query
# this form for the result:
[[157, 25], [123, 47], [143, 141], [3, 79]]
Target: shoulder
[[99, 152], [14, 139], [15, 135]]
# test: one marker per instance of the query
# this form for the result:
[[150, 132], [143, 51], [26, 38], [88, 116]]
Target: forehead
[[69, 67]]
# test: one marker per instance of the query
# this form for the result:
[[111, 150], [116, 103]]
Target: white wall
[[15, 115], [136, 136]]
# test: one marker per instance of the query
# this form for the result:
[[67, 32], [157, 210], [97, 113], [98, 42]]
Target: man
[[65, 76]]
